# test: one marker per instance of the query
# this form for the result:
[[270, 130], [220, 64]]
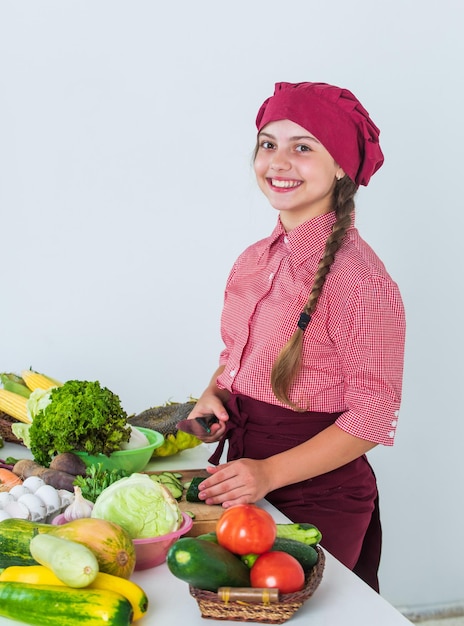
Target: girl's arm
[[248, 480]]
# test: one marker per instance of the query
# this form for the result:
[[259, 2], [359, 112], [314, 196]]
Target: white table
[[342, 599]]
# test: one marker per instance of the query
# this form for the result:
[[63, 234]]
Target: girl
[[310, 377]]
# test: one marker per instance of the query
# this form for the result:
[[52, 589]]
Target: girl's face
[[295, 172]]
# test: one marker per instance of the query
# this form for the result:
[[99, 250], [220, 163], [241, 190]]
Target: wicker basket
[[212, 607], [5, 428]]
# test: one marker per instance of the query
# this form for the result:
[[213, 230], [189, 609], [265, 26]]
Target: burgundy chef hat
[[335, 117]]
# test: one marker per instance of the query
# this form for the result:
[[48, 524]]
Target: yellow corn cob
[[14, 405], [34, 380]]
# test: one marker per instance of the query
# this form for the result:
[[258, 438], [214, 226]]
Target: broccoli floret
[[81, 416]]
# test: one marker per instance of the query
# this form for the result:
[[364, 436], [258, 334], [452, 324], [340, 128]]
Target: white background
[[126, 192]]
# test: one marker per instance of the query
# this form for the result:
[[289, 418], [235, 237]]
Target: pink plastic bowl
[[153, 551]]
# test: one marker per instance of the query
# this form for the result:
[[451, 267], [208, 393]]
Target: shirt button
[[391, 434], [394, 423], [232, 372], [271, 275], [285, 239], [396, 413]]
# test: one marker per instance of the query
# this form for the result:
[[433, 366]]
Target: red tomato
[[277, 569], [245, 529]]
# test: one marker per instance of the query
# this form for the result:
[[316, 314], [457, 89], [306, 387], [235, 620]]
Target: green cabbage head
[[143, 507]]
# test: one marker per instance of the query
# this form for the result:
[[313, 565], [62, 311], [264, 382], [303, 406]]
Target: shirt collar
[[305, 240]]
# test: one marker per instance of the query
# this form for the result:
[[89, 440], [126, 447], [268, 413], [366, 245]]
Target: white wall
[[126, 131]]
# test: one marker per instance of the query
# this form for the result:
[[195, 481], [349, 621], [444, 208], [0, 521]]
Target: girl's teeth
[[285, 184]]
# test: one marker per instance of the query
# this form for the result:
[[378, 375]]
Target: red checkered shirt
[[353, 347]]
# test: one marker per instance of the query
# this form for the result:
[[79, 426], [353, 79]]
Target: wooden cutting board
[[205, 515]]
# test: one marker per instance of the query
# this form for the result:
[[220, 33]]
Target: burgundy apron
[[342, 503]]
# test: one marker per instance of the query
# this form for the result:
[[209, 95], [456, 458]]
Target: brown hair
[[288, 363]]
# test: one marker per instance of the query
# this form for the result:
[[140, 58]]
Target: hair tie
[[304, 321]]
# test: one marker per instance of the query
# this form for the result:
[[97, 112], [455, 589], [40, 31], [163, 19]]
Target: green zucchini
[[49, 605], [306, 533], [206, 565]]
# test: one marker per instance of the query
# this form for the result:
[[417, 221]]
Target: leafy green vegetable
[[37, 401], [143, 507], [81, 416], [97, 479], [22, 431]]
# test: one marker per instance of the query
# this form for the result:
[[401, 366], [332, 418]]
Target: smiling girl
[[313, 327]]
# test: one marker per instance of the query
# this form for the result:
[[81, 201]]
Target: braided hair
[[288, 363]]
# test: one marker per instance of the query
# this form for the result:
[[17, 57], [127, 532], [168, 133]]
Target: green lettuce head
[[143, 507]]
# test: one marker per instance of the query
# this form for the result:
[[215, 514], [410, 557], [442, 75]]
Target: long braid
[[288, 363]]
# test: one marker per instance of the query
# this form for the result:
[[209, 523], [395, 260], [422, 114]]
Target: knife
[[197, 426]]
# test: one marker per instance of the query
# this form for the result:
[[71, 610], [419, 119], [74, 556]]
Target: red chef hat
[[335, 117]]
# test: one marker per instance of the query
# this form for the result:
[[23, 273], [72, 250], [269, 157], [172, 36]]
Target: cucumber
[[192, 491], [49, 605], [172, 481], [306, 555], [206, 565], [211, 536], [306, 533]]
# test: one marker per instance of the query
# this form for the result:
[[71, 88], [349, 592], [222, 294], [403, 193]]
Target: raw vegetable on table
[[143, 507], [8, 479], [26, 396], [246, 528], [304, 532], [277, 570], [41, 575], [97, 479], [74, 574], [73, 563], [61, 474], [206, 565], [81, 416], [109, 542], [216, 559], [33, 604], [19, 393]]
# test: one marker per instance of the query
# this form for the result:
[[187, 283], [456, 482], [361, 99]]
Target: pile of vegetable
[[248, 549], [57, 417], [82, 416], [82, 569], [102, 425], [143, 506]]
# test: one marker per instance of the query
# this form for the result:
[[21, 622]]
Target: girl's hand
[[244, 481], [211, 404]]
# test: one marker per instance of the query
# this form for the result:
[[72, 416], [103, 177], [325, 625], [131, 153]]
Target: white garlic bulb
[[79, 508]]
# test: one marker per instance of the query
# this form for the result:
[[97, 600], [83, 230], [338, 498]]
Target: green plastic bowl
[[129, 460]]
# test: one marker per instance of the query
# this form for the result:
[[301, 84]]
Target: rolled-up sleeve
[[370, 341]]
